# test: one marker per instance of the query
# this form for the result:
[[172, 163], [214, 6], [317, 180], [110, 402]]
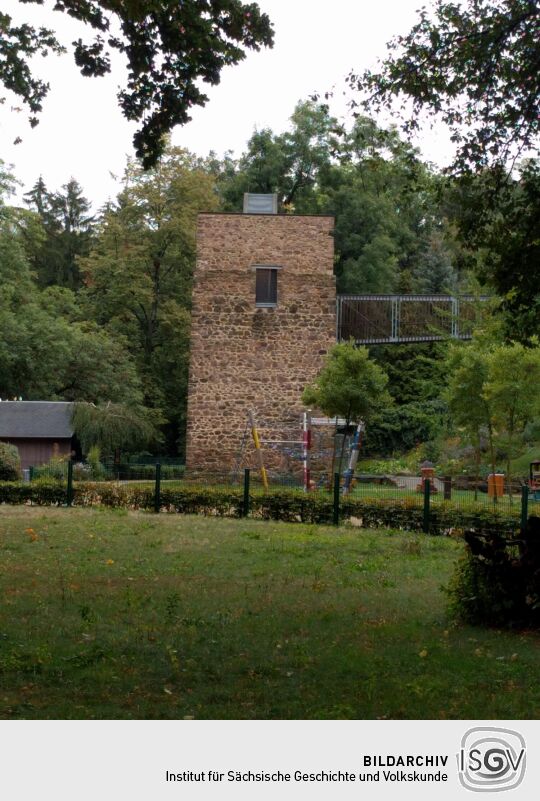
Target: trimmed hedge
[[41, 492], [286, 505]]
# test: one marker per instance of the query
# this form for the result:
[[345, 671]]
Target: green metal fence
[[429, 505]]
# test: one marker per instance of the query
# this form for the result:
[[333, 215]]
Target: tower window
[[266, 286]]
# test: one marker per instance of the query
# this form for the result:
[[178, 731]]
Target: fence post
[[335, 517], [427, 495], [69, 491], [524, 507], [157, 489], [245, 500], [448, 488]]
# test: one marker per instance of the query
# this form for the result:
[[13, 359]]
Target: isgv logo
[[491, 759]]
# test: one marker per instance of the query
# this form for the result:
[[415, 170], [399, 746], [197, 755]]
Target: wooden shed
[[39, 429]]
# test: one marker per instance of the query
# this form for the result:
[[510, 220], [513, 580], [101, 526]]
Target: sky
[[82, 133]]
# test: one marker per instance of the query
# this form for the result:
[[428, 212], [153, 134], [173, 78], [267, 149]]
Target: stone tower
[[264, 316]]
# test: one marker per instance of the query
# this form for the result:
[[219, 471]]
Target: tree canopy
[[497, 218], [113, 426], [349, 385], [388, 235], [67, 224], [169, 47], [47, 349], [492, 392], [139, 271], [475, 66]]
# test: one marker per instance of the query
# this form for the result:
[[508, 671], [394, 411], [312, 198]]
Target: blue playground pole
[[353, 458]]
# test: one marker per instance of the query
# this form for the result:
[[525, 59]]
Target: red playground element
[[534, 479]]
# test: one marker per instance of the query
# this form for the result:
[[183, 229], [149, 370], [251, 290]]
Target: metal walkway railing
[[382, 319]]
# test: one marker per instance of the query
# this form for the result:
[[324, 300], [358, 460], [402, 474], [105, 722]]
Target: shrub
[[93, 459], [496, 583], [385, 467], [42, 492], [55, 468], [82, 472], [10, 462], [139, 471]]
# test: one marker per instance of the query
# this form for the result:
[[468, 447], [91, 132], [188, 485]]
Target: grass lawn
[[128, 615]]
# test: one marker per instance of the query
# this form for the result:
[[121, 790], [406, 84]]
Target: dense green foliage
[[498, 217], [475, 66], [402, 428], [10, 463], [138, 276], [389, 234], [66, 233], [496, 581], [492, 393], [96, 310], [169, 47], [112, 427], [49, 349], [350, 385]]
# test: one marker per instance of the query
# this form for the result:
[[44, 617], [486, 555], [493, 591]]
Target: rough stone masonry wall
[[244, 357]]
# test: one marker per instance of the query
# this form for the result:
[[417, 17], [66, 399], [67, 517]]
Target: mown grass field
[[128, 615]]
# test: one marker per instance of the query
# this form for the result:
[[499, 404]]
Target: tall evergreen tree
[[67, 226]]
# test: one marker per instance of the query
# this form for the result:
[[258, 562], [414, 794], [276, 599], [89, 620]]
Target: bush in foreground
[[10, 462], [497, 581]]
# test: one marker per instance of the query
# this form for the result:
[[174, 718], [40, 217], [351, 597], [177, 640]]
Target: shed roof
[[36, 419]]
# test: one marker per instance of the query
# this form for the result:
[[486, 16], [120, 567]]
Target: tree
[[497, 222], [512, 252], [45, 356], [113, 426], [511, 389], [386, 208], [289, 164], [139, 272], [67, 233], [350, 385], [169, 47], [468, 370], [47, 349], [399, 429], [493, 388], [10, 462], [434, 272], [416, 372], [475, 65], [381, 194]]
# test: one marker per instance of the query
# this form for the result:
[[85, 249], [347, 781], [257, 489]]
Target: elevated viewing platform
[[394, 319]]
